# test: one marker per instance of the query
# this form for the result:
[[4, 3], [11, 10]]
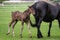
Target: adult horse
[[47, 12]]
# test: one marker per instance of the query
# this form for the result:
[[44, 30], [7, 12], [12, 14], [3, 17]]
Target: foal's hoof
[[21, 35], [13, 35], [30, 36], [7, 33]]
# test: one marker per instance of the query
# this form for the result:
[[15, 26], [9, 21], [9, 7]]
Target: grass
[[5, 18]]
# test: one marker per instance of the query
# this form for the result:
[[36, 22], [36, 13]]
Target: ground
[[5, 18]]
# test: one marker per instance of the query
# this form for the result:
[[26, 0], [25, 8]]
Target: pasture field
[[5, 18]]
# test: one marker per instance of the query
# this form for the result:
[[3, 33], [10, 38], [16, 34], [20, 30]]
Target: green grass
[[5, 18]]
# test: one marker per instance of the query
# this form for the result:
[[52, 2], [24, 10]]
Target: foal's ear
[[29, 6], [12, 12]]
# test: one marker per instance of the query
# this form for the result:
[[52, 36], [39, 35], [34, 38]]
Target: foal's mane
[[26, 11]]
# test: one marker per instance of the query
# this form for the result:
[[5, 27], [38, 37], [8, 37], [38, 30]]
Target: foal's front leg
[[9, 27], [29, 29], [21, 29]]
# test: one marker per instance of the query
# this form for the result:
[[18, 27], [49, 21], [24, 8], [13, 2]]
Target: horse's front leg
[[22, 26], [29, 29], [50, 24], [39, 34]]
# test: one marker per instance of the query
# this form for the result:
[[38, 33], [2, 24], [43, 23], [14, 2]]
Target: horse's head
[[31, 10]]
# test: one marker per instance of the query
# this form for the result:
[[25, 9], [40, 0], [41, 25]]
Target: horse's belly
[[48, 19]]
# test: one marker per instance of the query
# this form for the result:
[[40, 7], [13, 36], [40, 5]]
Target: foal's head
[[31, 10]]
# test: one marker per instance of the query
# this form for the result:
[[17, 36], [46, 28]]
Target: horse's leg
[[29, 29], [9, 27], [39, 20], [21, 29], [13, 25], [50, 24], [39, 35]]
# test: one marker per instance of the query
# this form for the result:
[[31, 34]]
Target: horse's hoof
[[40, 37], [48, 35]]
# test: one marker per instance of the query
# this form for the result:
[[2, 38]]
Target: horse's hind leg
[[13, 25], [22, 26], [9, 27], [29, 29], [49, 29]]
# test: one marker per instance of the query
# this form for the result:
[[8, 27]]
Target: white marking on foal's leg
[[29, 29], [21, 29], [13, 32], [9, 27], [8, 31]]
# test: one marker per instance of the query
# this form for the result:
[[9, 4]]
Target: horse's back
[[54, 9], [51, 10]]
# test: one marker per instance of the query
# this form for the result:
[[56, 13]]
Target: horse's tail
[[59, 24], [33, 25]]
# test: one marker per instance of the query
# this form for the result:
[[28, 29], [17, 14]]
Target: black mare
[[47, 12]]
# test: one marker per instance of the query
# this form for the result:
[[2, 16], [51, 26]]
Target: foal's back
[[17, 15]]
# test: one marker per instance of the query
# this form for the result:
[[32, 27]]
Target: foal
[[23, 17]]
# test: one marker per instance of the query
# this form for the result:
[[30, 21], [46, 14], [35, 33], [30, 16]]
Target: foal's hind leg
[[9, 27], [29, 29], [22, 26], [13, 25]]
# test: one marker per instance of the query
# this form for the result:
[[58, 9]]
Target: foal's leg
[[49, 29], [9, 27], [13, 25], [29, 29], [21, 29]]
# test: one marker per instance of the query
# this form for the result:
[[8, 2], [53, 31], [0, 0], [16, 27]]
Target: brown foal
[[23, 17]]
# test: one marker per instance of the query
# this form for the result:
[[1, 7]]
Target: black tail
[[33, 25], [59, 23]]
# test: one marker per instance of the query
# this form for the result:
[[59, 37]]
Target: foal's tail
[[33, 25], [12, 13]]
